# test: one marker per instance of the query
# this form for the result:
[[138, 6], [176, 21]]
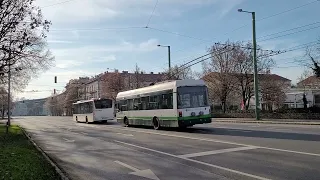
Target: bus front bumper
[[190, 121]]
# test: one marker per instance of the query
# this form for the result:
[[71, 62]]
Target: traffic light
[[55, 79]]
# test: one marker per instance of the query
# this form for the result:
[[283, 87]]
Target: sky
[[88, 37]]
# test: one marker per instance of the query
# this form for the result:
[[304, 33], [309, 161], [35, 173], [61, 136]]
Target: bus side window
[[90, 107], [130, 104], [136, 104], [123, 105], [170, 101], [144, 103], [164, 101], [153, 103]]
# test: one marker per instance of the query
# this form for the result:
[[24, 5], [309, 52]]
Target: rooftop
[[273, 77]]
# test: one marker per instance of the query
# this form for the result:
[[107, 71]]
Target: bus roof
[[161, 87], [89, 100]]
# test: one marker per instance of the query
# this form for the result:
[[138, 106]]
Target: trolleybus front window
[[191, 97]]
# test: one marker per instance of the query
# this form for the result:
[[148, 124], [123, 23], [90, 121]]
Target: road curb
[[61, 173], [269, 122]]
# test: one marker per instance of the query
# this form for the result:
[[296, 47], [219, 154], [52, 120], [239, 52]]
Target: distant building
[[294, 98], [93, 88], [312, 86], [234, 99], [312, 82], [139, 80], [34, 107]]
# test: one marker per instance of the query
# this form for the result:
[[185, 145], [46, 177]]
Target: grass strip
[[19, 159]]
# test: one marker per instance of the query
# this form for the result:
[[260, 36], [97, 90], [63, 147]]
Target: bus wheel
[[87, 120], [156, 123], [126, 122]]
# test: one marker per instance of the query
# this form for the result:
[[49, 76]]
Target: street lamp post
[[255, 69], [169, 57]]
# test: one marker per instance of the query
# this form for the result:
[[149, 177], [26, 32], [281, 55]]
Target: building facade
[[92, 87], [35, 107], [311, 86], [270, 85], [95, 87]]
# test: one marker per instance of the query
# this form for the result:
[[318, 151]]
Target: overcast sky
[[89, 36]]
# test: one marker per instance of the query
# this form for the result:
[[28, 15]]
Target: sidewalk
[[268, 121]]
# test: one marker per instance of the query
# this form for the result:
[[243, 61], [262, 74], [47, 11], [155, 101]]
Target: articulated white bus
[[94, 110], [179, 103]]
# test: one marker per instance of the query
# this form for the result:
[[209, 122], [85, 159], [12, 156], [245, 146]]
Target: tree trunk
[[248, 104], [2, 114], [223, 103]]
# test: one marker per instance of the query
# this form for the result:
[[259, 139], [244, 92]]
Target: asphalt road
[[212, 151]]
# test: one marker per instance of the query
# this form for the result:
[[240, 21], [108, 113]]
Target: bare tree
[[217, 72], [179, 72], [243, 56], [23, 41], [55, 104], [230, 71], [306, 73], [136, 78], [273, 93], [313, 53], [71, 95], [112, 84]]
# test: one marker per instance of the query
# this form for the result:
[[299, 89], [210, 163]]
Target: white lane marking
[[220, 127], [142, 173], [125, 134], [68, 140], [245, 131], [215, 140], [290, 151], [127, 166], [195, 161], [217, 151], [84, 133]]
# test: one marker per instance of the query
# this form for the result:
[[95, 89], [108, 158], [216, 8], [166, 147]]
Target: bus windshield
[[103, 103], [191, 97]]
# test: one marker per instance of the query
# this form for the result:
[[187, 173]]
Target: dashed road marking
[[220, 151], [215, 140], [195, 161], [125, 134]]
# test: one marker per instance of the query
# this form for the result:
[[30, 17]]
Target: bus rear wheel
[[156, 123], [126, 122]]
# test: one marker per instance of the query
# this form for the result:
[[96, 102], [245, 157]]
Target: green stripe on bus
[[195, 117], [150, 118], [172, 118]]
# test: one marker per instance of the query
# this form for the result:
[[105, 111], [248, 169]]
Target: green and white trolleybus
[[179, 103]]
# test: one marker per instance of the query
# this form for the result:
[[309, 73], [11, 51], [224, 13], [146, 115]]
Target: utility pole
[[255, 77], [169, 58], [255, 69]]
